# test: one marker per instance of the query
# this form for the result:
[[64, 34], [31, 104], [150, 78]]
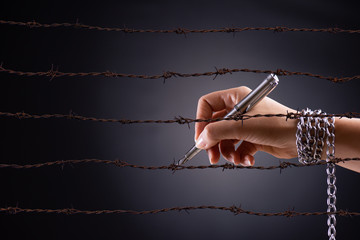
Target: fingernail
[[200, 143], [247, 161], [231, 158], [210, 157]]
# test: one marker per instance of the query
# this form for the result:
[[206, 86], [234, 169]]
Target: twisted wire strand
[[54, 73], [173, 167], [178, 120], [234, 209], [184, 31]]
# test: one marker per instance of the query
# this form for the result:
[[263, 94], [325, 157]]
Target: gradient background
[[93, 186]]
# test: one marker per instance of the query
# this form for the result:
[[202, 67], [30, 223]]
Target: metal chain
[[320, 134], [331, 178], [310, 135]]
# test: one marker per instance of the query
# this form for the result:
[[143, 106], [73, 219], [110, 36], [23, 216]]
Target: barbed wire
[[234, 209], [54, 73], [173, 167], [178, 120], [184, 31]]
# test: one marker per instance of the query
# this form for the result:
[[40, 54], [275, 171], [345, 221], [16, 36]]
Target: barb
[[184, 31], [173, 167], [234, 209], [179, 120], [168, 74]]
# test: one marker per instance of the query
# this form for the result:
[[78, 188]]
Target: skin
[[272, 135]]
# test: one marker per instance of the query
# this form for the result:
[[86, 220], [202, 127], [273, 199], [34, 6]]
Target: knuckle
[[201, 100], [208, 132]]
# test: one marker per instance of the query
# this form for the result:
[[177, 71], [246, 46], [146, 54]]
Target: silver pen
[[243, 106]]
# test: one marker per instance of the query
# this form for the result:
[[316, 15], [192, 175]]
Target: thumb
[[215, 132]]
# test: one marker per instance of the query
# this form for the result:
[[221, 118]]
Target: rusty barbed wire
[[234, 209], [172, 167], [184, 31], [178, 120], [54, 73]]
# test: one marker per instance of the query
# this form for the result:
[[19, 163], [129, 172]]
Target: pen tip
[[180, 161]]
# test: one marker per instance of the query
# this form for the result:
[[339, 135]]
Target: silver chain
[[331, 178], [310, 136]]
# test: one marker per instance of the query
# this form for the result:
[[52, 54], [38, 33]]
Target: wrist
[[347, 137], [315, 136]]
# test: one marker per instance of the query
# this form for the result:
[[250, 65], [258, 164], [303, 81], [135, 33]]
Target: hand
[[273, 135]]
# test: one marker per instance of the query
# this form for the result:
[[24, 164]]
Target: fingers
[[224, 134], [245, 153], [220, 101], [214, 154], [227, 148]]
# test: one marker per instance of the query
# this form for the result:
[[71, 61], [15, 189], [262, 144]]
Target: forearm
[[347, 142]]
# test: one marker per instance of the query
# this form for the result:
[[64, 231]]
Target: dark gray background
[[92, 187]]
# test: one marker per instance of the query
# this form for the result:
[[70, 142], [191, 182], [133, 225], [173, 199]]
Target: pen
[[247, 103]]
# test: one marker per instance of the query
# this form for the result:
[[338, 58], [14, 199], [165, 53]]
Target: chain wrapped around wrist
[[313, 130]]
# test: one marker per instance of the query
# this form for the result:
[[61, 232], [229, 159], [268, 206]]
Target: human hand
[[274, 135]]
